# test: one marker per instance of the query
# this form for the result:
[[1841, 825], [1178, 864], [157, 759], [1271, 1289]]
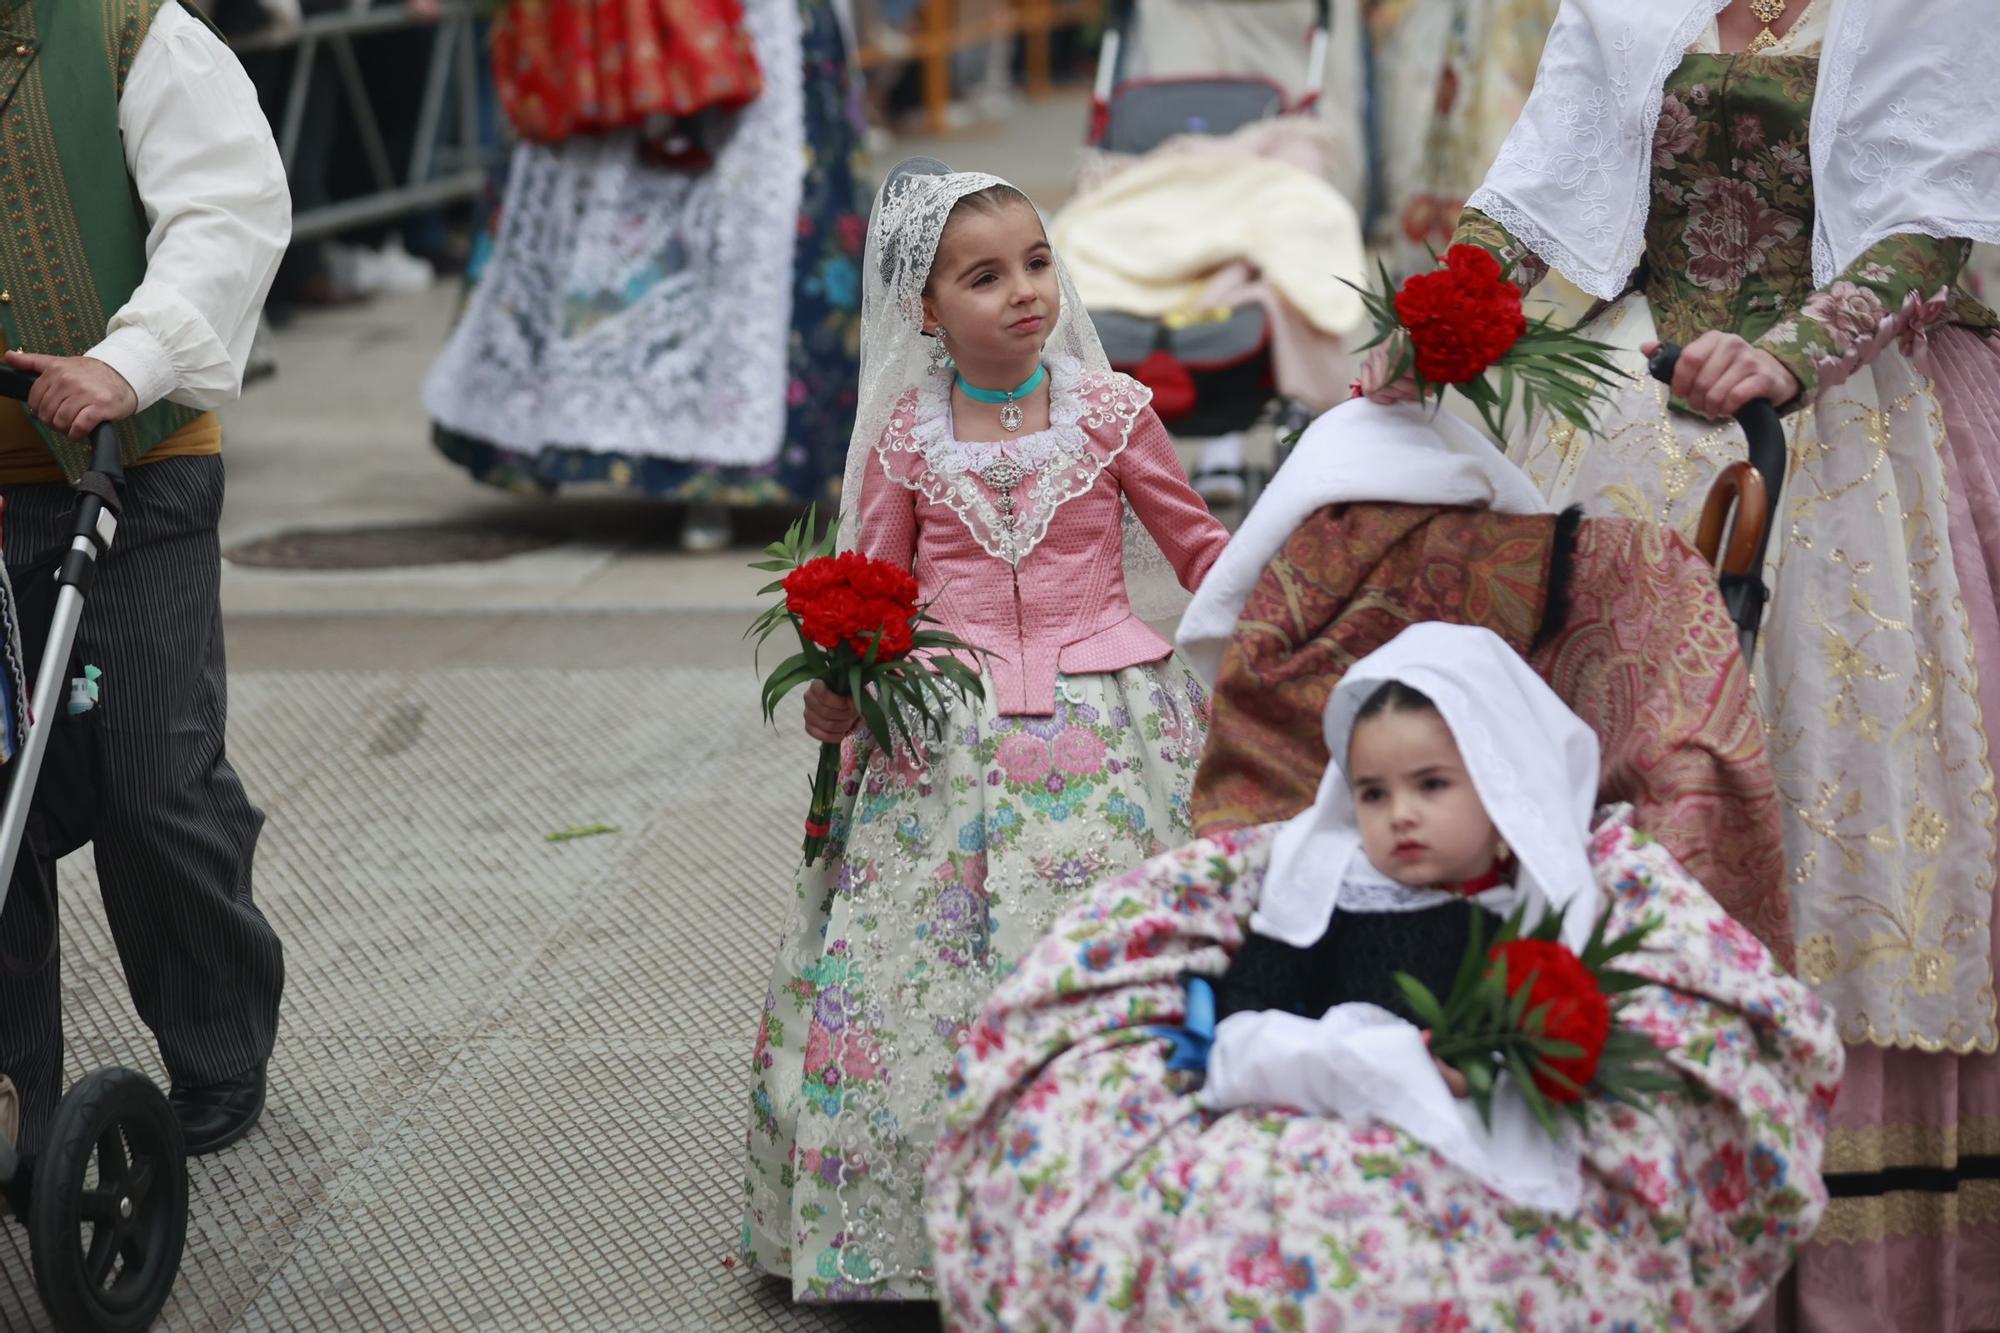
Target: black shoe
[[215, 1115], [16, 1191]]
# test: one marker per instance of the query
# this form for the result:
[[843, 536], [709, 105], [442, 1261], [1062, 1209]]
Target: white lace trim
[[1912, 148], [1590, 170], [1366, 893], [1086, 408], [634, 310], [1888, 177]]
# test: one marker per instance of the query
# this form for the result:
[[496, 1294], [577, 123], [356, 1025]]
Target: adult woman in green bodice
[[1790, 189]]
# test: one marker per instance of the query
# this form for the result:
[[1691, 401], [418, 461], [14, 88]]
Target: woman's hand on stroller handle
[[1719, 374], [1758, 417]]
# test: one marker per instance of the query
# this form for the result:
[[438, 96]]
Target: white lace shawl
[[1905, 131], [919, 450]]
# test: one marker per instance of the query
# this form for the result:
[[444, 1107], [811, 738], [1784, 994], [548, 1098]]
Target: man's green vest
[[72, 231]]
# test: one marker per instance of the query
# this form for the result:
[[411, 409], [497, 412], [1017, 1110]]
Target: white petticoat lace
[[631, 309]]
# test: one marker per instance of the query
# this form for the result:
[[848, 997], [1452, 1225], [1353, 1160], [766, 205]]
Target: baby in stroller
[[1326, 1176], [1250, 308]]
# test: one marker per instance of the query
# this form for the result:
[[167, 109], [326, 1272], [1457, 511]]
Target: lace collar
[[1006, 492]]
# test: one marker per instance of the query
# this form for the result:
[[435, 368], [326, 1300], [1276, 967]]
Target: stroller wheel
[[108, 1212]]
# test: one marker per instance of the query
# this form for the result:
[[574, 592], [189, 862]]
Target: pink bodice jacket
[[1041, 589]]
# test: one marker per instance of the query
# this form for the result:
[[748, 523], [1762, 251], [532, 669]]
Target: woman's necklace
[[1766, 12], [1010, 411]]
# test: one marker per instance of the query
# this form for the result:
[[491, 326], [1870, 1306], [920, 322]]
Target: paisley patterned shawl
[[1646, 655]]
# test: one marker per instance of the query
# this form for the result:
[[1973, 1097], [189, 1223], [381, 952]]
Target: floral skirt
[[1079, 1186], [945, 871]]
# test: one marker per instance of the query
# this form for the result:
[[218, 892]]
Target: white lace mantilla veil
[[908, 221], [1905, 131]]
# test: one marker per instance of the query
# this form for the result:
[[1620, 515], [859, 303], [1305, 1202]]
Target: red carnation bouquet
[[1461, 326], [1549, 1017], [860, 628]]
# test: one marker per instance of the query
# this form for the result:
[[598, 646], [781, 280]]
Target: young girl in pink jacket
[[995, 453]]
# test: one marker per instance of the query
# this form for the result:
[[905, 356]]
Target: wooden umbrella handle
[[1739, 488]]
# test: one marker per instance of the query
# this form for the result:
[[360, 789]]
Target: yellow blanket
[[1148, 241]]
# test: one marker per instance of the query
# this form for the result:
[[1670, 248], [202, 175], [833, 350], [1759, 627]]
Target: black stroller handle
[[16, 384], [1758, 418], [1748, 493]]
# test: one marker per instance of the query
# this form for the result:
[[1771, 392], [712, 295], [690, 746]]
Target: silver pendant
[[1010, 418]]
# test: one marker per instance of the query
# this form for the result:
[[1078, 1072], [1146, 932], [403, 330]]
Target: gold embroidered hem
[[1887, 1147], [1910, 1213], [1865, 672]]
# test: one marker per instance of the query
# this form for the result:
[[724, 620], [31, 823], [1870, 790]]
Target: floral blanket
[[1076, 1188], [1645, 653]]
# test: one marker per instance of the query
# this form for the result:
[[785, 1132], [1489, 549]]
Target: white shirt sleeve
[[218, 217]]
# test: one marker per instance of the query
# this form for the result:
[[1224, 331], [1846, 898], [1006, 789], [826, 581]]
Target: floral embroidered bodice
[[1018, 544], [1729, 236], [1729, 231]]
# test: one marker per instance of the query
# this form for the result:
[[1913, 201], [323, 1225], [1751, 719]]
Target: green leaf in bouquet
[[962, 676], [1536, 1020], [1474, 962], [796, 670], [1478, 1076], [895, 706], [1614, 982], [1537, 1103], [1554, 1048], [1422, 1003], [916, 695], [765, 625], [1549, 1073], [1517, 1005], [1596, 941], [1631, 941], [1482, 1102], [872, 715]]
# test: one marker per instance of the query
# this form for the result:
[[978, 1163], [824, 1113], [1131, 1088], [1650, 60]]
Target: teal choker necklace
[[1010, 411]]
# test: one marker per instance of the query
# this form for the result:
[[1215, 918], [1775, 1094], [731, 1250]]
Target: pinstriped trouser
[[174, 834]]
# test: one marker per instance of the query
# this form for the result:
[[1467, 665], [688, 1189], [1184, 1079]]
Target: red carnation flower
[[1577, 1010], [851, 599], [1461, 318]]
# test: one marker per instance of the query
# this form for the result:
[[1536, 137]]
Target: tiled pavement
[[508, 1092]]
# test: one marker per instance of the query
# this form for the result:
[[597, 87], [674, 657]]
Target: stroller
[[1079, 1184], [106, 1209], [1224, 354]]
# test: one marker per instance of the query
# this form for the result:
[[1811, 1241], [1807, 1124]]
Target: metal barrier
[[438, 170]]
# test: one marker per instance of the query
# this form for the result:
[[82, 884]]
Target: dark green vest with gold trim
[[72, 232]]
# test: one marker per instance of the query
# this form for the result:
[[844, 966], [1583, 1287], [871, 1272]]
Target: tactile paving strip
[[509, 1088]]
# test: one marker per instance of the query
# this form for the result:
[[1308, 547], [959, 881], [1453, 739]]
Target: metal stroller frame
[[116, 1274]]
